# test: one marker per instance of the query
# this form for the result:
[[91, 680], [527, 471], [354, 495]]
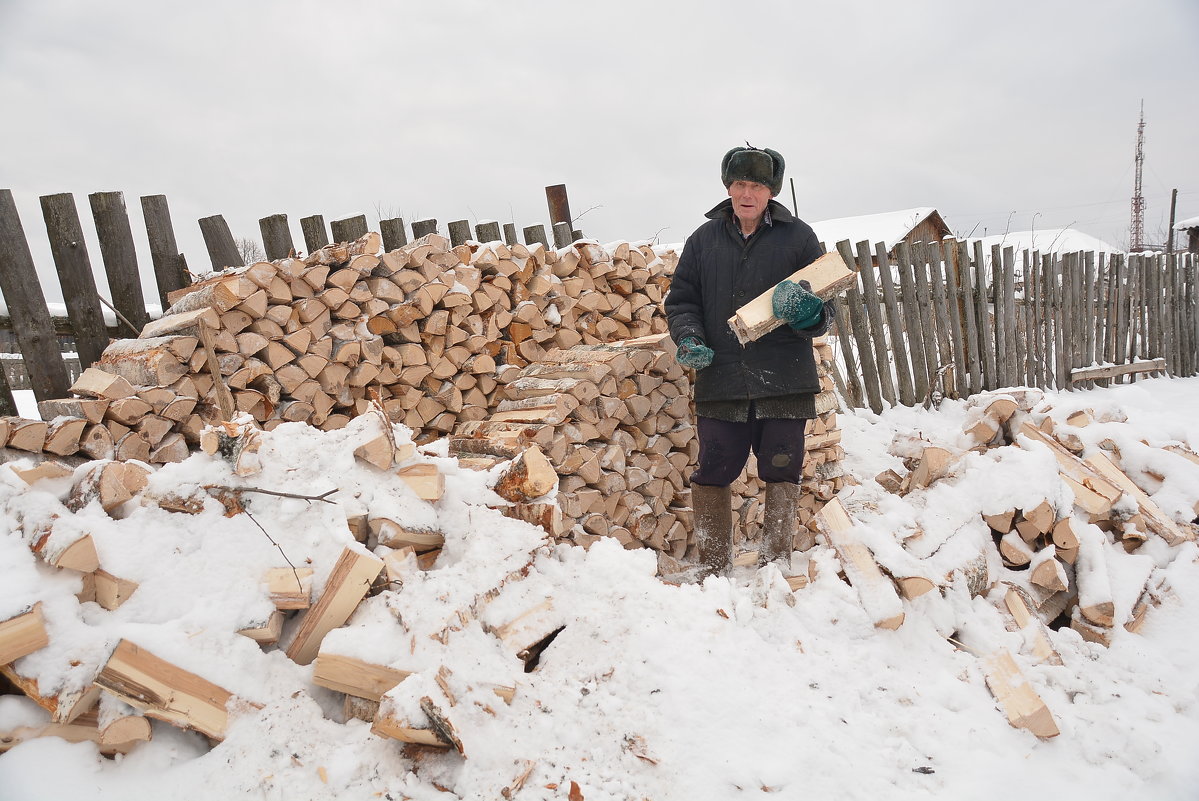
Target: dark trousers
[[724, 449]]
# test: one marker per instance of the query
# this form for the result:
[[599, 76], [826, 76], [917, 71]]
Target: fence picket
[[276, 237], [120, 258], [222, 250], [27, 307], [986, 326], [349, 228], [911, 320], [315, 235], [170, 267], [965, 284], [861, 335], [874, 315], [393, 234], [75, 277], [899, 344]]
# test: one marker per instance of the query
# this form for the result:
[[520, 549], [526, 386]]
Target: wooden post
[[874, 315], [487, 231], [999, 300], [510, 234], [1009, 313], [276, 237], [536, 233], [393, 234], [120, 258], [559, 205], [1032, 300], [563, 236], [27, 307], [1024, 322], [315, 235], [75, 276], [854, 396], [170, 267], [459, 232], [899, 348], [424, 227], [222, 250], [348, 229]]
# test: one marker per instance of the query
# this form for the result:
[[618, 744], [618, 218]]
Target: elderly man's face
[[749, 201]]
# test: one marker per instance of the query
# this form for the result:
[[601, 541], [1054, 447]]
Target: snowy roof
[[1048, 240], [889, 227], [1190, 222]]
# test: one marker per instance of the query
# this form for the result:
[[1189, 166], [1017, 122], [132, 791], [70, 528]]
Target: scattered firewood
[[23, 634], [347, 585], [165, 691], [877, 593], [1023, 707]]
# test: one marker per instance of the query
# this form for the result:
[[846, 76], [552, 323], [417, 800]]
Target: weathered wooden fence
[[40, 338], [941, 318], [947, 318]]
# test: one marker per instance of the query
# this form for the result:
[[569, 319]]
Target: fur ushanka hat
[[761, 165]]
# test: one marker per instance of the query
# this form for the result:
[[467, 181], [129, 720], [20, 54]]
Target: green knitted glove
[[795, 305], [694, 353]]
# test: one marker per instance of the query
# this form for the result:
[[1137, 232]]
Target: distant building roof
[[1192, 222], [890, 227], [1048, 240]]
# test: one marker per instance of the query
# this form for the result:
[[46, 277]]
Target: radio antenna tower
[[1137, 227]]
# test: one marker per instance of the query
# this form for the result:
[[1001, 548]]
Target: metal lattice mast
[[1137, 226]]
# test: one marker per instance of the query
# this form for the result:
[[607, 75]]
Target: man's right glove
[[694, 353], [795, 304]]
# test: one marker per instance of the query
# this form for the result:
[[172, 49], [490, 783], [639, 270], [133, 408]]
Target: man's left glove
[[694, 353], [795, 304]]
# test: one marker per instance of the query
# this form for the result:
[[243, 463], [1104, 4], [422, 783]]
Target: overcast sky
[[1001, 115]]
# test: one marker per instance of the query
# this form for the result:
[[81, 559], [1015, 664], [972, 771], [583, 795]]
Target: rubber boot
[[713, 507], [779, 521]]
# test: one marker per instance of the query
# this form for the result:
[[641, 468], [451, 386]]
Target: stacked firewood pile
[[615, 422], [501, 346], [422, 328]]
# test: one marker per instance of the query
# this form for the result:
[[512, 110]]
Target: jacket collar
[[724, 210]]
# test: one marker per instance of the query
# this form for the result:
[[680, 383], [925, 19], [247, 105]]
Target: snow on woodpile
[[244, 628]]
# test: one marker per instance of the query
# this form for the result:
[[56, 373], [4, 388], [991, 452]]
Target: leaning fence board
[[985, 320], [911, 317], [69, 251], [119, 255], [222, 250], [964, 281], [861, 335], [27, 307], [882, 349], [170, 268], [947, 307], [899, 344], [927, 321]]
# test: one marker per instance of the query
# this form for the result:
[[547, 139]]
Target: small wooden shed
[[1190, 229], [922, 224]]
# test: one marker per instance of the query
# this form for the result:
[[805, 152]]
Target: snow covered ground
[[730, 689]]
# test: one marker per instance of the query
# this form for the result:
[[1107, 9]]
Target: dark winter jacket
[[718, 273]]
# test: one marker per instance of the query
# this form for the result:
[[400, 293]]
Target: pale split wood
[[354, 676], [22, 634], [876, 591], [1157, 521], [347, 584], [165, 691], [1023, 707], [828, 275]]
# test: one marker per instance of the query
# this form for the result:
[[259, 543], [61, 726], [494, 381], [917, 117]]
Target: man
[[758, 396]]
